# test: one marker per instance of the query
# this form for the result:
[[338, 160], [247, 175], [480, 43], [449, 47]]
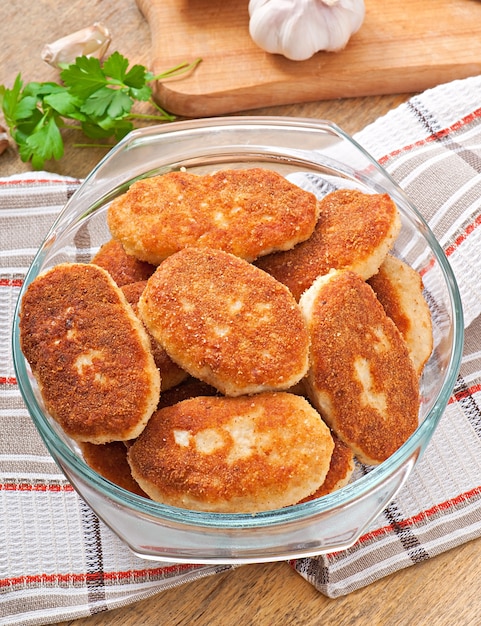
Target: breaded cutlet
[[110, 461], [233, 455], [124, 268], [355, 231], [247, 212], [226, 322], [340, 471], [361, 377], [170, 373], [89, 353], [187, 389], [399, 288]]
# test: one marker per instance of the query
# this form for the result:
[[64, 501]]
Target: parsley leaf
[[25, 108], [116, 66], [136, 77], [65, 104], [10, 101], [107, 128], [46, 143], [106, 101], [84, 77]]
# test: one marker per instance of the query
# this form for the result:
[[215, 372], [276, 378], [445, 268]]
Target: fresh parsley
[[94, 98]]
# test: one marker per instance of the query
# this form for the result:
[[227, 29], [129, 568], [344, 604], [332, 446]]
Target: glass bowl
[[320, 156]]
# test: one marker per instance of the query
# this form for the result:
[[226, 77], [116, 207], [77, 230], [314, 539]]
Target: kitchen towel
[[60, 562], [431, 145]]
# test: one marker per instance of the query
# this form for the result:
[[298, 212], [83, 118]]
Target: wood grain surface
[[440, 592], [400, 47], [25, 27]]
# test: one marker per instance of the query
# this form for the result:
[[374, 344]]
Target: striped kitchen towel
[[58, 561], [431, 145], [61, 562]]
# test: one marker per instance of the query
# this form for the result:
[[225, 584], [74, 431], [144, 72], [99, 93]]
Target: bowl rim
[[336, 500]]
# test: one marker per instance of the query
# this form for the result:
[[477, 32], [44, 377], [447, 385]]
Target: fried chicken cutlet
[[110, 461], [399, 288], [226, 322], [233, 455], [123, 268], [170, 373], [89, 353], [355, 231], [341, 468], [361, 377], [247, 212]]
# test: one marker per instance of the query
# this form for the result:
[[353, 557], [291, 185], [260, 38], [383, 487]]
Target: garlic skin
[[4, 143], [298, 29], [91, 41]]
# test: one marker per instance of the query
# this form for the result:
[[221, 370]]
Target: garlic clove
[[4, 142], [91, 41]]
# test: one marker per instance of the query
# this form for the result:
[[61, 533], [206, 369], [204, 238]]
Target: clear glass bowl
[[321, 155]]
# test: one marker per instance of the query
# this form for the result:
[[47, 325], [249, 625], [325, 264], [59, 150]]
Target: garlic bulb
[[297, 29]]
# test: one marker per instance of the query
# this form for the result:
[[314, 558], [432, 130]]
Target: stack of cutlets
[[263, 340]]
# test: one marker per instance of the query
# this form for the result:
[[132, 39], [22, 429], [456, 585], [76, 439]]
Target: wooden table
[[442, 591]]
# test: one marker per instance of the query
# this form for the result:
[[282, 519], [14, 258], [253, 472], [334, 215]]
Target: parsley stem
[[144, 116], [177, 70], [93, 145]]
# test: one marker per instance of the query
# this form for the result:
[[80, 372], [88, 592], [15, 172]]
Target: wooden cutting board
[[403, 46]]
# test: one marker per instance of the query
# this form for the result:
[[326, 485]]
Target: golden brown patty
[[247, 212], [226, 322], [89, 353], [110, 461], [399, 288], [233, 455], [354, 231], [170, 373], [190, 388], [123, 267], [340, 471], [361, 377]]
